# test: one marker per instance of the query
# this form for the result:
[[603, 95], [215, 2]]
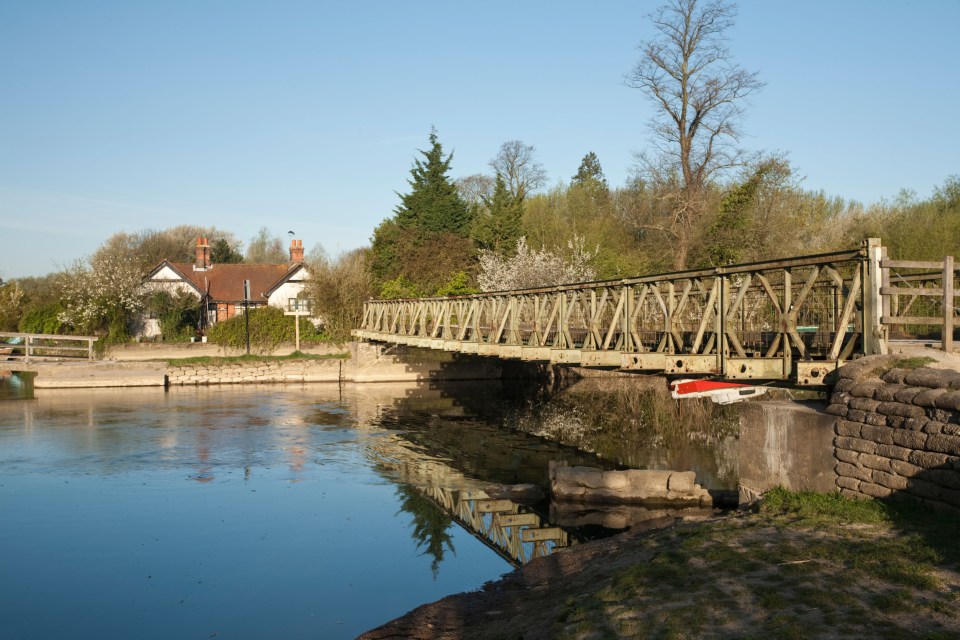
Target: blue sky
[[306, 116]]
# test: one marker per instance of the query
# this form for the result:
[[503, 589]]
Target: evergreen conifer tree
[[499, 228], [433, 203], [590, 172]]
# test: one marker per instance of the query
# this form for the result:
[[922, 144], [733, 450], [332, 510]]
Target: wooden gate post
[[874, 340], [948, 313]]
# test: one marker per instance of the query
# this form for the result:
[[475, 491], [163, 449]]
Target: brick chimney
[[296, 251], [203, 255]]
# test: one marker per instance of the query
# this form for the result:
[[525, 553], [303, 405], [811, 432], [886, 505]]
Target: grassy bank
[[252, 358], [804, 566], [799, 566]]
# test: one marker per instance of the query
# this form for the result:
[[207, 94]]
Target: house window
[[298, 304]]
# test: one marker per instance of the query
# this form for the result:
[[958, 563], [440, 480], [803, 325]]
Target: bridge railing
[[795, 318], [920, 298]]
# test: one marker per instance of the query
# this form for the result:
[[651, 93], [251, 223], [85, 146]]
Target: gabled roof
[[292, 271], [224, 282]]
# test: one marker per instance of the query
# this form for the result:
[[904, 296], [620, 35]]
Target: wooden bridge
[[794, 319]]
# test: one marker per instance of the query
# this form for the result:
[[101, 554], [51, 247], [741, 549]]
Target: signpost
[[246, 310], [297, 313]]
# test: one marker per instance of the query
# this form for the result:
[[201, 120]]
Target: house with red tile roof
[[219, 287]]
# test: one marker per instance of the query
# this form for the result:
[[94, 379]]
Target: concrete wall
[[898, 432], [785, 443], [367, 363]]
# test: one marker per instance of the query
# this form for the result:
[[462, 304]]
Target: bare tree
[[474, 189], [699, 94], [517, 164]]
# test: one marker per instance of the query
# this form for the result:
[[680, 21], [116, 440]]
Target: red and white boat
[[718, 392]]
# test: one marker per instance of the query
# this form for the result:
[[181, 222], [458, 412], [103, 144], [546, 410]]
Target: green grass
[[912, 363], [802, 565], [252, 358]]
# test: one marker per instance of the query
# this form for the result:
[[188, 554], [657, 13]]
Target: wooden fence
[[45, 346]]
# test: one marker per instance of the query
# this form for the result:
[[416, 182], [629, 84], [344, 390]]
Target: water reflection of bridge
[[516, 532]]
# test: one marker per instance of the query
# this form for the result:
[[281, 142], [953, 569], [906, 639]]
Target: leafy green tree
[[222, 253], [499, 227], [433, 203], [338, 288], [266, 249], [11, 301]]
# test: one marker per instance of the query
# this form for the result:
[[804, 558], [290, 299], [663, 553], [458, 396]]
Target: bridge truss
[[793, 319]]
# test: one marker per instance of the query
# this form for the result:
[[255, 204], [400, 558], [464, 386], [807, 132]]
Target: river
[[297, 511]]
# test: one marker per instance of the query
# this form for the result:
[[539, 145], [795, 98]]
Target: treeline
[[103, 294], [500, 231]]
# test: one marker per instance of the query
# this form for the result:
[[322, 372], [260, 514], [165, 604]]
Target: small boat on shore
[[718, 392]]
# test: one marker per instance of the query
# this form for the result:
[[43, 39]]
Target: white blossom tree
[[102, 297], [530, 268]]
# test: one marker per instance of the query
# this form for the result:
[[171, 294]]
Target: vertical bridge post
[[874, 338]]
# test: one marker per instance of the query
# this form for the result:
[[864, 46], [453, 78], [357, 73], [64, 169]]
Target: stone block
[[908, 394], [949, 445], [848, 483], [949, 401], [924, 489], [895, 422], [890, 481], [844, 385], [837, 410], [887, 392], [847, 428], [898, 409], [844, 455], [929, 460], [933, 427], [914, 424], [894, 452], [931, 378], [876, 433], [895, 375], [853, 471], [682, 482], [909, 439], [863, 404], [875, 419], [951, 497], [864, 367], [856, 495], [874, 490], [946, 416], [855, 444], [905, 469], [928, 397], [856, 415], [866, 389], [871, 461], [949, 478], [840, 397]]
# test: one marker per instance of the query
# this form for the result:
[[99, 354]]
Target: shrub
[[269, 328]]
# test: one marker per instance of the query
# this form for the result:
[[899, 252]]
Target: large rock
[[634, 486]]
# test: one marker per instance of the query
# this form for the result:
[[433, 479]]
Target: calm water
[[293, 512]]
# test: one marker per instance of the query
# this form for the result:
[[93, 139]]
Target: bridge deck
[[795, 319]]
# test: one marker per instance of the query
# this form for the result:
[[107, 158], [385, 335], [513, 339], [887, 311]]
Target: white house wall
[[281, 296]]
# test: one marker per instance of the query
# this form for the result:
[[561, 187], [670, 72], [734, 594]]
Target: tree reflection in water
[[430, 525]]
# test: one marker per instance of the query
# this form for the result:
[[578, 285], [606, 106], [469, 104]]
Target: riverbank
[[801, 565], [202, 364]]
